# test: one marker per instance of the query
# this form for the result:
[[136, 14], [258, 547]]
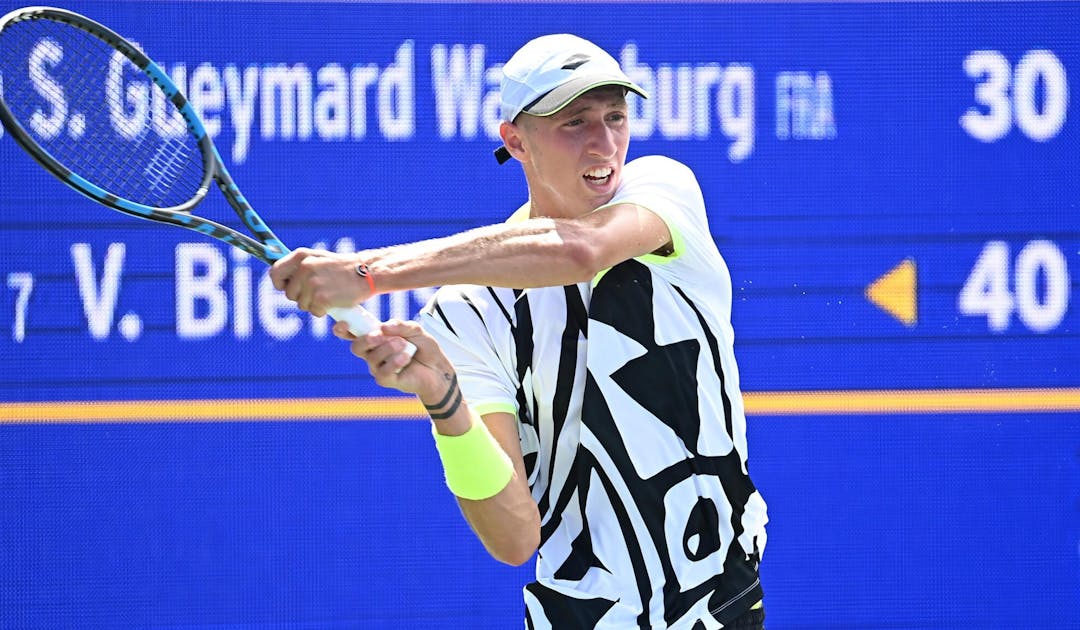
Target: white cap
[[549, 72]]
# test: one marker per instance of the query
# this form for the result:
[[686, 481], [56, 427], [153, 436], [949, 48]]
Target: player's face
[[575, 157]]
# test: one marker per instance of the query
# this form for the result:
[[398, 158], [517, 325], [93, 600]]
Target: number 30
[[991, 71]]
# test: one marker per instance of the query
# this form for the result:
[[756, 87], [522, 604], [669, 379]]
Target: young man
[[577, 364]]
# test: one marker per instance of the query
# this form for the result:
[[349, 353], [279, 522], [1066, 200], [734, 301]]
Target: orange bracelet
[[364, 272]]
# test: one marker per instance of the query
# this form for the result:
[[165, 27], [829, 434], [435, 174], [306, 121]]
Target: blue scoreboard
[[892, 184]]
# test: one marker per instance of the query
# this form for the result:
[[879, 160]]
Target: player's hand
[[425, 374], [318, 280]]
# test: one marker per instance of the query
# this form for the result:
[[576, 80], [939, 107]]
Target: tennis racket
[[103, 118]]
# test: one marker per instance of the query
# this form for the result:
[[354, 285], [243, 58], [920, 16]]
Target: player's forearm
[[539, 252], [508, 524], [488, 481]]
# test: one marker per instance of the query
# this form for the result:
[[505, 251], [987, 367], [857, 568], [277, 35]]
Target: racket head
[[100, 115]]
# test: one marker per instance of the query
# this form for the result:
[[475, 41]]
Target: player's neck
[[555, 207]]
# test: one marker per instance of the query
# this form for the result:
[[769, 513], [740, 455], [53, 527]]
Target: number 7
[[24, 284]]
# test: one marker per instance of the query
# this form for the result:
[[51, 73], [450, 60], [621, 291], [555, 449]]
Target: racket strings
[[167, 165], [97, 114]]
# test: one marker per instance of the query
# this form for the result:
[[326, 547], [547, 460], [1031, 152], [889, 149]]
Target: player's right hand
[[384, 350]]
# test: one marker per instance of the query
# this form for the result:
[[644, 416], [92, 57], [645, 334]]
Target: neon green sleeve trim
[[476, 467], [484, 409], [678, 244]]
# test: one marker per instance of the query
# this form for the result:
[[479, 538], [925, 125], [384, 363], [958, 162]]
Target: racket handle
[[361, 322]]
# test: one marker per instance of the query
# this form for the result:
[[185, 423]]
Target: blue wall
[[832, 141]]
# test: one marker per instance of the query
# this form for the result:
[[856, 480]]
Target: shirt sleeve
[[454, 317], [670, 190]]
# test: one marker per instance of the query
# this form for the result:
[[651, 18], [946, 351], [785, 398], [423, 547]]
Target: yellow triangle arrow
[[896, 292]]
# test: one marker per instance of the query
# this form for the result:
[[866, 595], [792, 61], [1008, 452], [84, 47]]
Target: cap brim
[[561, 96], [555, 100]]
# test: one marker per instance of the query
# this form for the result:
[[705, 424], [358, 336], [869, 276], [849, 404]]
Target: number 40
[[986, 291]]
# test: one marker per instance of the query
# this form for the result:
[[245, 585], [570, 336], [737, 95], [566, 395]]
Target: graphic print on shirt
[[680, 504], [631, 424]]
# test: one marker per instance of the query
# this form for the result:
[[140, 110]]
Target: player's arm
[[532, 253], [508, 523], [481, 457]]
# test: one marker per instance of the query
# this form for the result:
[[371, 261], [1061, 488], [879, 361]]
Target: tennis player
[[577, 364]]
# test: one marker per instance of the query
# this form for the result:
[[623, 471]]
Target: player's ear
[[513, 140]]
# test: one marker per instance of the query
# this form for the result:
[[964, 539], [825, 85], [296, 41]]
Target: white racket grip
[[361, 322]]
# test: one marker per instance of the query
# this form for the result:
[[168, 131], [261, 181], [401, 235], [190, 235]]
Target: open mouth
[[599, 176]]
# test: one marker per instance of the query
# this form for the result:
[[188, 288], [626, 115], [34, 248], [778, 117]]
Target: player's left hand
[[318, 280]]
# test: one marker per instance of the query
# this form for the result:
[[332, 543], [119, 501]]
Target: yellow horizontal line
[[799, 403], [893, 401], [211, 410]]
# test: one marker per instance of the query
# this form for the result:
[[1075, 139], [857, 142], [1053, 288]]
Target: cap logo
[[575, 61]]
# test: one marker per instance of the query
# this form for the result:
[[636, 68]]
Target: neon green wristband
[[475, 465]]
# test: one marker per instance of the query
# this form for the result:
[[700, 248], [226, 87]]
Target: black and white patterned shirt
[[631, 422]]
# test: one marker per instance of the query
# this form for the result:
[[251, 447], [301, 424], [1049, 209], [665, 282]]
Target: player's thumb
[[399, 328]]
